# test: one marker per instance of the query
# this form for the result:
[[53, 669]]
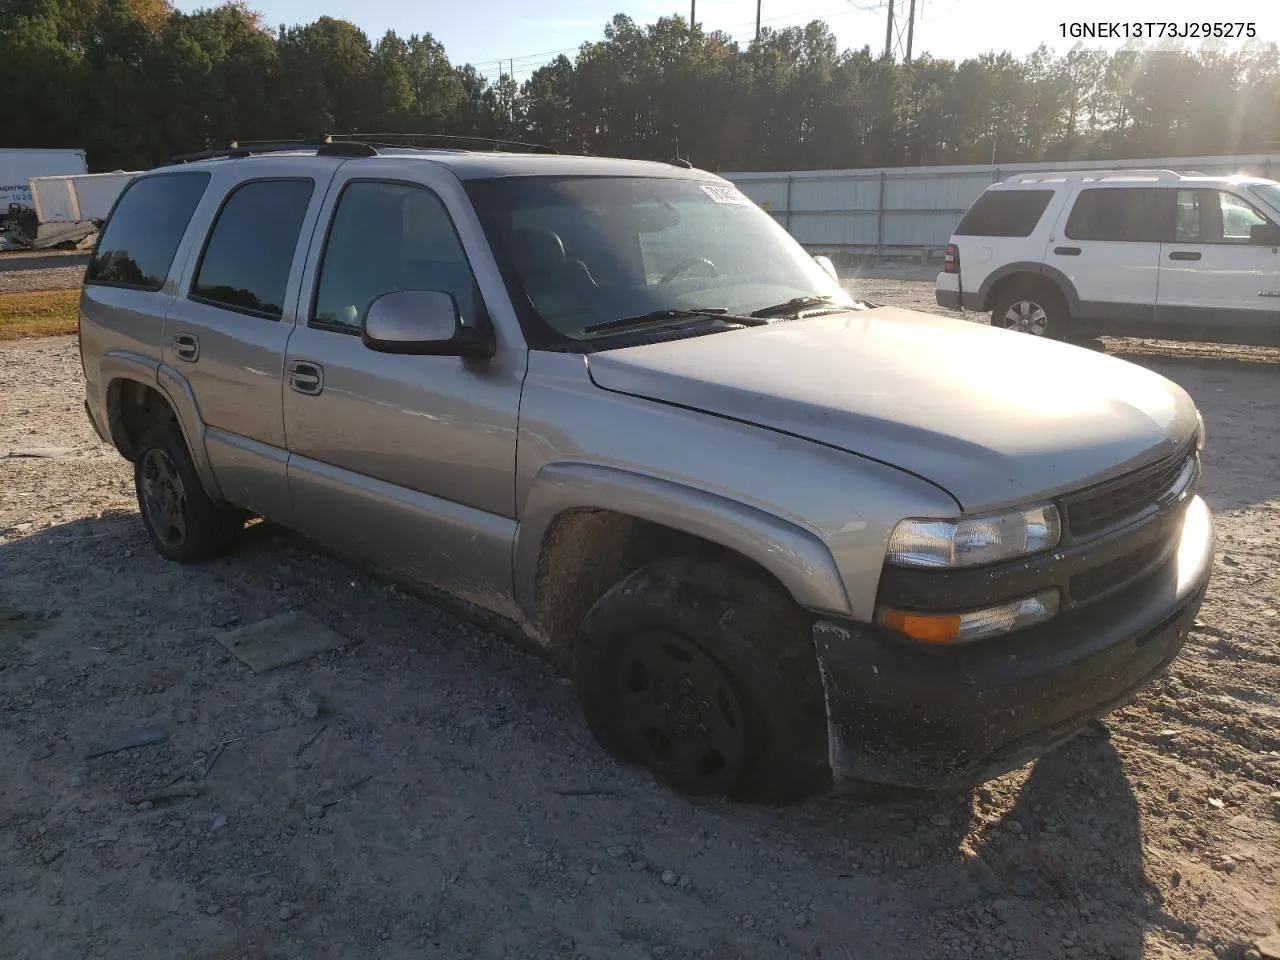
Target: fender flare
[[797, 557], [127, 365], [1053, 274]]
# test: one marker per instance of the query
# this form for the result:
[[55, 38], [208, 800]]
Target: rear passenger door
[[226, 332], [1110, 250], [408, 461]]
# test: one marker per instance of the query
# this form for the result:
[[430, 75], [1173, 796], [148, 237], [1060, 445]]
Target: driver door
[[1214, 283]]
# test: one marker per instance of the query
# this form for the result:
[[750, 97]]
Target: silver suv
[[783, 537]]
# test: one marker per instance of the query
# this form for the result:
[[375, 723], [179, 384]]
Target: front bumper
[[905, 715]]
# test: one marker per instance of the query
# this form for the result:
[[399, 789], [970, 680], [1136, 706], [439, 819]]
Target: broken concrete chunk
[[279, 641], [43, 453]]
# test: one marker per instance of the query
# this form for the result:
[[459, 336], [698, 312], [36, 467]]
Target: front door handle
[[1185, 255], [187, 347], [306, 377], [1067, 251]]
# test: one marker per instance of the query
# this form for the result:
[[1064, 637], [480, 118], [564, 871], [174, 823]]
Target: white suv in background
[[1134, 253]]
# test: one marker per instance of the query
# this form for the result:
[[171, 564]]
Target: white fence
[[913, 210]]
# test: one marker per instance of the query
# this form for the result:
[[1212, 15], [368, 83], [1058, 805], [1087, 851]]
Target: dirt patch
[[428, 790]]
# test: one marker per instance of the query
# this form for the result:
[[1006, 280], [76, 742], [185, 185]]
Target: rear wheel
[[707, 677], [1032, 308], [183, 524]]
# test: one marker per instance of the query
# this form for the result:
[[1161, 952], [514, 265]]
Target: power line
[[521, 65]]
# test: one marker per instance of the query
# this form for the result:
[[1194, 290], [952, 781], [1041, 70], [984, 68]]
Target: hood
[[991, 416]]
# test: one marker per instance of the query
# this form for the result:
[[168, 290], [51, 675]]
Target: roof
[[1122, 176], [488, 164]]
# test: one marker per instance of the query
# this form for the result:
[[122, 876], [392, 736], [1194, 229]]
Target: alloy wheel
[[163, 498]]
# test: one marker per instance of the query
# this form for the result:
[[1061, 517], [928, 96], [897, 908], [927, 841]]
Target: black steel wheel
[[679, 713], [707, 676]]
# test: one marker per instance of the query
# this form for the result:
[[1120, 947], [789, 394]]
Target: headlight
[[971, 541]]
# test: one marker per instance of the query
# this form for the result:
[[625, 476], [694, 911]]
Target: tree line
[[135, 81]]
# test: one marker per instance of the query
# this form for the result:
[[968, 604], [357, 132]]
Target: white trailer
[[78, 199], [18, 166]]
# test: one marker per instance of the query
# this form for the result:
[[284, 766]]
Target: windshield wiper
[[794, 305], [662, 316]]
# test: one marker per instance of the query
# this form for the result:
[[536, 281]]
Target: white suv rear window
[[1005, 213]]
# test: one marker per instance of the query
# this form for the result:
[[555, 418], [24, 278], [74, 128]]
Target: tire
[[707, 677], [1033, 308], [183, 523]]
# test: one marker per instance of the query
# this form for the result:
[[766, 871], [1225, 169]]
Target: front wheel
[[183, 524], [706, 676], [1031, 309]]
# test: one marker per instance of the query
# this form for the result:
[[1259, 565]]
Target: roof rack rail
[[324, 146], [1118, 174], [493, 142]]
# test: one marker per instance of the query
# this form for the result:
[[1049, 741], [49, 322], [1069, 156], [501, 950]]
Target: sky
[[482, 32]]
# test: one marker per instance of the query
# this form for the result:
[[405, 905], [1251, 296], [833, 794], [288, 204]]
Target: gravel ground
[[42, 270], [430, 790]]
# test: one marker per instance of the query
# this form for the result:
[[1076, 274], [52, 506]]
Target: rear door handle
[[306, 377], [187, 347], [1185, 255], [1067, 251]]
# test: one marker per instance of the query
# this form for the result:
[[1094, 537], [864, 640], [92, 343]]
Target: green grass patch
[[43, 313]]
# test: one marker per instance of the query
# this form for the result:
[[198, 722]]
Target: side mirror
[[424, 323], [1265, 235], [828, 267]]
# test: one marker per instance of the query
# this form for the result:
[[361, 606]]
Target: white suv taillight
[[951, 260]]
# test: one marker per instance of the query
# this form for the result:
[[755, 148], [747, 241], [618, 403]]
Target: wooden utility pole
[[758, 2], [693, 13], [888, 33]]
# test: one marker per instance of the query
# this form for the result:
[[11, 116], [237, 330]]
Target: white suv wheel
[[1026, 316]]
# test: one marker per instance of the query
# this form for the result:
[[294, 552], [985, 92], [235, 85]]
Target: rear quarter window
[[1005, 213], [140, 240]]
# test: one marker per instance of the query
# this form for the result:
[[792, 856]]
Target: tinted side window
[[386, 237], [1005, 213], [140, 240], [1123, 214], [245, 265]]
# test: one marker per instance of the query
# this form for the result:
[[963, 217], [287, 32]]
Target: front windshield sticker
[[724, 194]]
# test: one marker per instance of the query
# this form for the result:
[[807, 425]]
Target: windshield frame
[[539, 333], [1269, 194]]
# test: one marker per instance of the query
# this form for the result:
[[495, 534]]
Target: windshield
[[587, 250], [1269, 192]]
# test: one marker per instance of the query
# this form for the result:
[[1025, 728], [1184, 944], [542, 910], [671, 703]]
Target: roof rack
[[495, 143], [324, 146], [1160, 175]]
